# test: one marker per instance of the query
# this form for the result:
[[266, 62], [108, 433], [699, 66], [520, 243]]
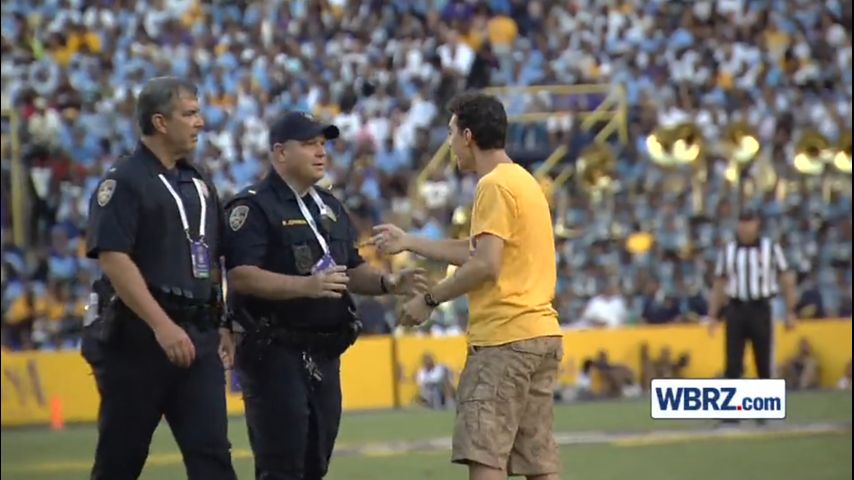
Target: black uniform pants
[[292, 419], [748, 321], [138, 385]]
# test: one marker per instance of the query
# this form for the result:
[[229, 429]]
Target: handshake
[[335, 281], [332, 282], [390, 240]]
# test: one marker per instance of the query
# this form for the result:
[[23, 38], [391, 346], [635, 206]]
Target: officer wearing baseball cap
[[292, 263]]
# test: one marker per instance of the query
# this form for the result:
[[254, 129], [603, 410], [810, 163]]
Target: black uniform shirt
[[133, 212], [266, 229]]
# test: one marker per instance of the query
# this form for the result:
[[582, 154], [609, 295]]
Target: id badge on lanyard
[[326, 261], [200, 257]]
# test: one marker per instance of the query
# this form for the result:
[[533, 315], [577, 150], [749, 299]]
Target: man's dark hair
[[484, 116], [158, 95]]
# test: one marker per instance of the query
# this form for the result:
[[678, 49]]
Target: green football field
[[600, 441]]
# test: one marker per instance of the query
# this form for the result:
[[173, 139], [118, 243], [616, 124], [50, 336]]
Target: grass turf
[[40, 454]]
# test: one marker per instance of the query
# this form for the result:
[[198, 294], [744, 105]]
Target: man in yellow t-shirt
[[507, 267]]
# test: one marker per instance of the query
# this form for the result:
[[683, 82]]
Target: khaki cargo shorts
[[505, 409]]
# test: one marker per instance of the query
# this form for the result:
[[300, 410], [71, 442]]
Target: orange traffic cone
[[57, 420]]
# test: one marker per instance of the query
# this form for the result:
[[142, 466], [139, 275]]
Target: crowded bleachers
[[383, 71]]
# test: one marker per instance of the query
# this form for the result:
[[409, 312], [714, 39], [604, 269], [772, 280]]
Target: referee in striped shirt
[[749, 273]]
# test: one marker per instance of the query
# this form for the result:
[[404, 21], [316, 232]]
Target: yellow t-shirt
[[510, 204], [474, 39], [327, 112], [502, 31], [21, 310]]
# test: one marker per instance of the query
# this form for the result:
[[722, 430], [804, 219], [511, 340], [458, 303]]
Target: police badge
[[328, 220], [303, 258], [105, 192], [331, 215], [237, 217], [327, 224]]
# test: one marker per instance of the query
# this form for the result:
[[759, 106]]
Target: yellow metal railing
[[578, 89], [563, 176], [17, 178], [436, 162], [612, 111], [551, 161]]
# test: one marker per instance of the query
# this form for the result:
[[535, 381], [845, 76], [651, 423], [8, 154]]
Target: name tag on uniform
[[325, 263], [199, 256], [201, 259]]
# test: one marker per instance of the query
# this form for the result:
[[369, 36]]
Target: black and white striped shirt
[[751, 270]]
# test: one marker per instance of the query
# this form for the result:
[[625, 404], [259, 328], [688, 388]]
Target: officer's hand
[[227, 346], [328, 283], [389, 239], [409, 281], [176, 343]]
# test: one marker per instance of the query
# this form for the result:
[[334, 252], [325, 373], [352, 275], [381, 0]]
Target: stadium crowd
[[382, 71]]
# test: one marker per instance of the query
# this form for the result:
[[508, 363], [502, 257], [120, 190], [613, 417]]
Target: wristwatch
[[430, 301]]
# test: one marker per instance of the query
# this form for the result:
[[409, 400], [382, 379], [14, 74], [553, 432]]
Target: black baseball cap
[[748, 214], [300, 126]]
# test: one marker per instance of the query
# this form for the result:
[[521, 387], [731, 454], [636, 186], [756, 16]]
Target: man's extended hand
[[389, 239], [227, 347], [415, 312], [409, 281]]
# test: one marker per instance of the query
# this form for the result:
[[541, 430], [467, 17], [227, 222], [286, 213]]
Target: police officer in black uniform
[[292, 263], [155, 226]]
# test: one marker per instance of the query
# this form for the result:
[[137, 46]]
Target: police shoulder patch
[[105, 192], [237, 217]]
